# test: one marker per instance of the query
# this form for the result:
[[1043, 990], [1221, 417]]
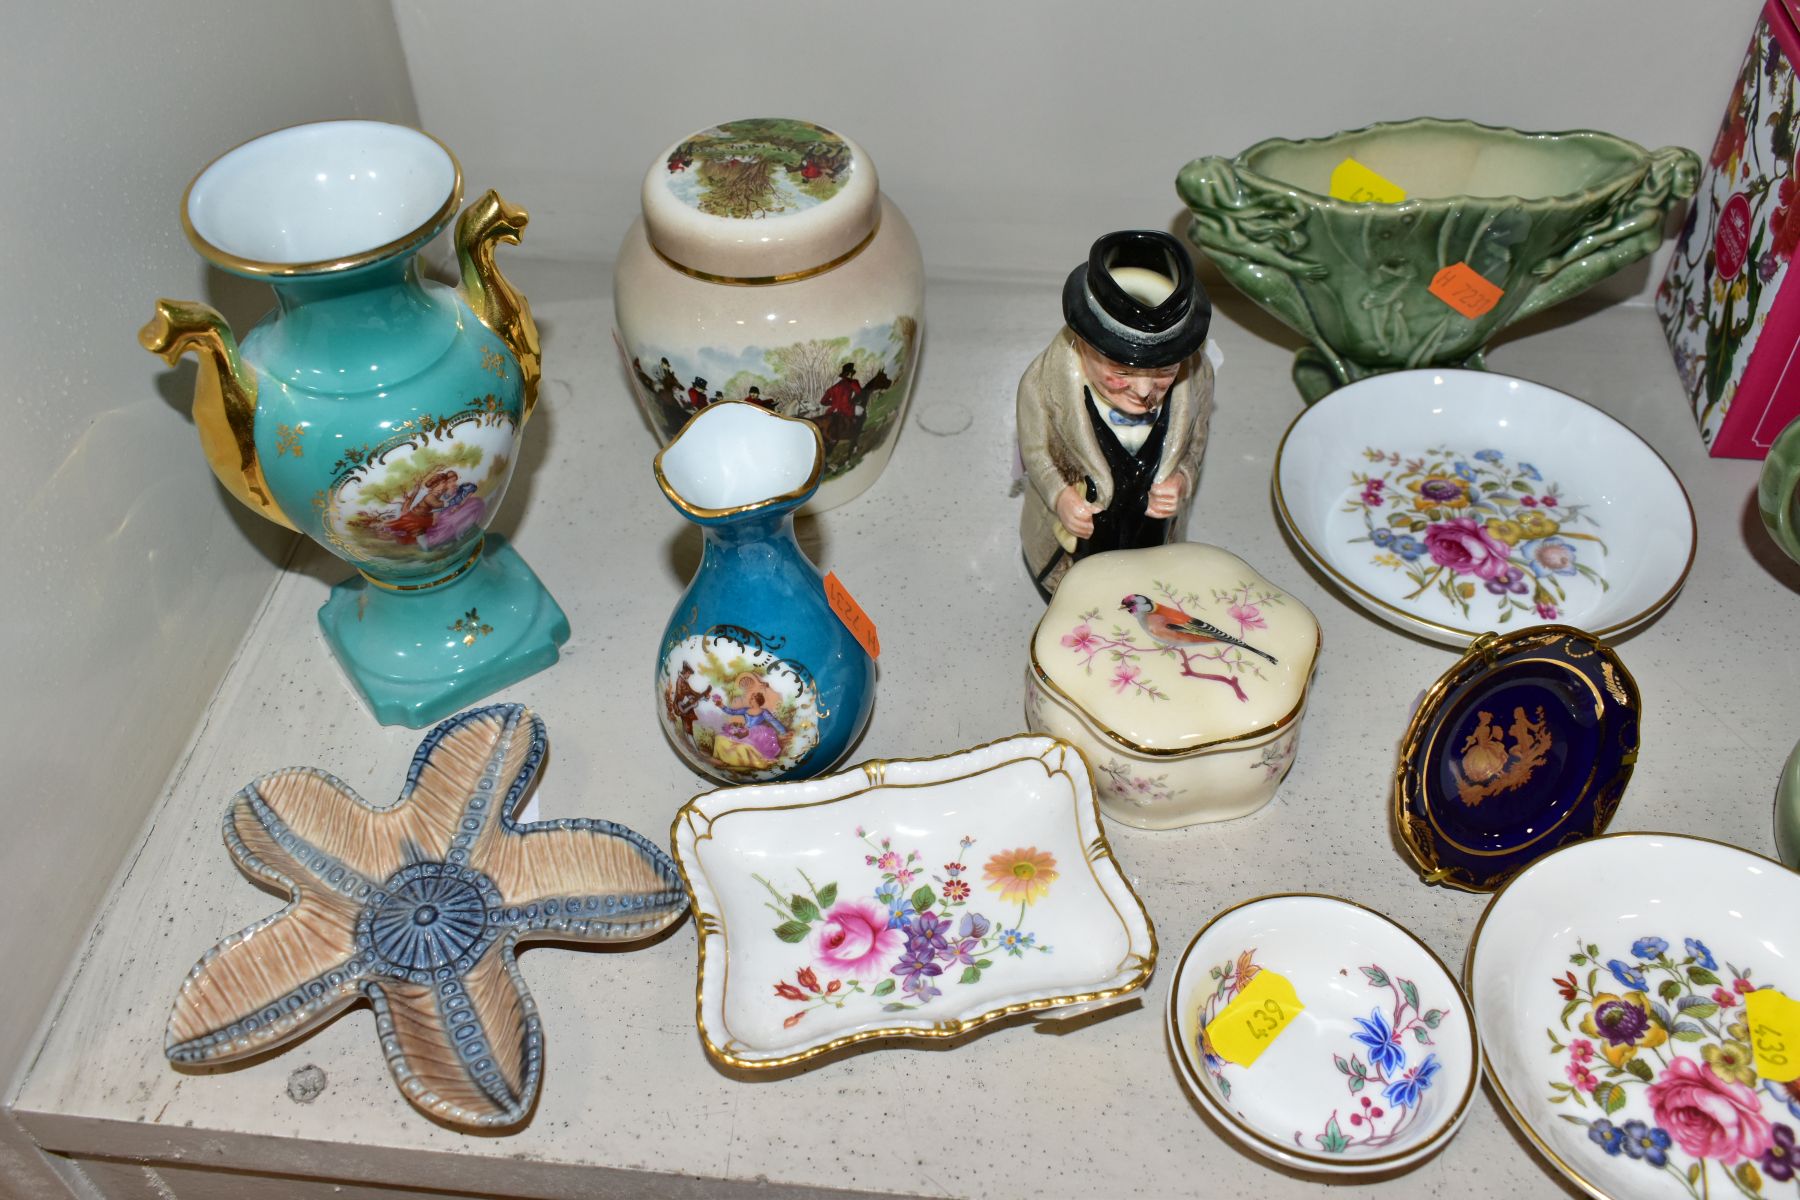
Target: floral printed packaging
[[1733, 323], [1181, 673]]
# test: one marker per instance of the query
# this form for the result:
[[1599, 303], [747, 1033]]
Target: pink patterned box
[[1733, 320]]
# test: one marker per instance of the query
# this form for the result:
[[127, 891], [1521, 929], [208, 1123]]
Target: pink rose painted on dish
[[855, 939], [1463, 545], [1248, 617], [1709, 1117]]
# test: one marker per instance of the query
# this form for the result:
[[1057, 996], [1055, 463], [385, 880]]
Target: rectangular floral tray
[[908, 898]]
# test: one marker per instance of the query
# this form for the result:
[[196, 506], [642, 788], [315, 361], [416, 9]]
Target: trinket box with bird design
[[1181, 673], [1525, 745]]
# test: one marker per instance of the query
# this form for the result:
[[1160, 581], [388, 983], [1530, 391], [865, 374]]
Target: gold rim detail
[[468, 562], [1093, 724], [1518, 1118], [708, 514], [240, 265], [762, 280], [1411, 621], [1055, 761], [1415, 840], [1284, 1150]]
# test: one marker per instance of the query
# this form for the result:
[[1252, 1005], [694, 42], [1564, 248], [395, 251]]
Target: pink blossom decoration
[[1581, 1077], [1723, 998], [1124, 677], [855, 939], [889, 861], [1708, 1116], [1081, 638], [1546, 612], [1465, 546], [1248, 616], [1581, 1050]]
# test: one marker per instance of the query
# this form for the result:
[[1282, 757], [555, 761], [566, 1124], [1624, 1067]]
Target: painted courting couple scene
[[851, 387]]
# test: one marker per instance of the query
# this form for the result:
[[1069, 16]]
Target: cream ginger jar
[[769, 268], [1181, 673]]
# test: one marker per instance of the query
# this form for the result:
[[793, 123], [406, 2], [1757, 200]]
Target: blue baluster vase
[[373, 410], [758, 679]]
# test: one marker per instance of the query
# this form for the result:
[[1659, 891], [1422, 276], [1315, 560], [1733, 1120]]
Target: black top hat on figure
[[1129, 328]]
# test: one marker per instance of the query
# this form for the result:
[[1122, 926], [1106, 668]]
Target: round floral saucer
[[1614, 983], [1369, 1056], [1450, 503]]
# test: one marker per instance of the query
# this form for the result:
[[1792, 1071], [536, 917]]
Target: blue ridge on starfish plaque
[[419, 907]]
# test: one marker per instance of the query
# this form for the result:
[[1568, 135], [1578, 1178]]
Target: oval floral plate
[[1449, 503], [1525, 745], [913, 897], [1610, 982]]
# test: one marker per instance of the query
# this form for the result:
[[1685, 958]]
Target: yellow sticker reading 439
[[1352, 181], [1774, 1034], [1251, 1023]]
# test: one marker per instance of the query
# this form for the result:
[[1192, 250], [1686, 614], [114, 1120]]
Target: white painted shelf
[[630, 1104]]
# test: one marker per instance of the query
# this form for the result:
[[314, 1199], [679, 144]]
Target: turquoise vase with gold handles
[[1778, 499], [374, 410]]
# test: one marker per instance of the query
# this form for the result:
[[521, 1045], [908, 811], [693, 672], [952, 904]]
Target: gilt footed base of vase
[[416, 657]]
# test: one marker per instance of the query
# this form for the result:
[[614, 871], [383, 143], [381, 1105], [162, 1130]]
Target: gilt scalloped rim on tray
[[1609, 981], [1525, 745], [906, 898]]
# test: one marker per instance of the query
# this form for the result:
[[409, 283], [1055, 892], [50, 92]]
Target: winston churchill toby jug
[[1112, 416], [375, 411]]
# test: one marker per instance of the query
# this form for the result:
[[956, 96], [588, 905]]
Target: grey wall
[[130, 577], [1013, 133]]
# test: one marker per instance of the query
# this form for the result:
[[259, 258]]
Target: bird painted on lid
[[1169, 626]]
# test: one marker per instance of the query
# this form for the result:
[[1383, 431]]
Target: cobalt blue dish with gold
[[1524, 746]]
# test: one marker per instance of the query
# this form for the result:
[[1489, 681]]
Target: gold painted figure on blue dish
[[373, 410]]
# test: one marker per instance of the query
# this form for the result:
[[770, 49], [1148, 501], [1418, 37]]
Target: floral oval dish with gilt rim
[[1627, 990], [1449, 503], [906, 898], [1525, 745], [419, 908], [1372, 1065]]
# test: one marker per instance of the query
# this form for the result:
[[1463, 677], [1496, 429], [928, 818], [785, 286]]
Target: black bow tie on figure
[[1119, 418]]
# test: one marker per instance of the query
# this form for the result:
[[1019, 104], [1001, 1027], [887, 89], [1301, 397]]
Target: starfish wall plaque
[[419, 908]]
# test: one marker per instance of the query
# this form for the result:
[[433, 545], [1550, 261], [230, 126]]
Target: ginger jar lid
[[761, 200], [1176, 648]]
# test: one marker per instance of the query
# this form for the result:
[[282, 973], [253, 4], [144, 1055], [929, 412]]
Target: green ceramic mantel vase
[[1538, 216]]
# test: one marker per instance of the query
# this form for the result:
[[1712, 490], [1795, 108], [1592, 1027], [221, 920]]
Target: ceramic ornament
[[419, 908], [1112, 416], [1434, 237], [1182, 674], [908, 898], [1451, 503], [769, 268], [373, 410], [758, 678], [1323, 1036], [1637, 997]]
